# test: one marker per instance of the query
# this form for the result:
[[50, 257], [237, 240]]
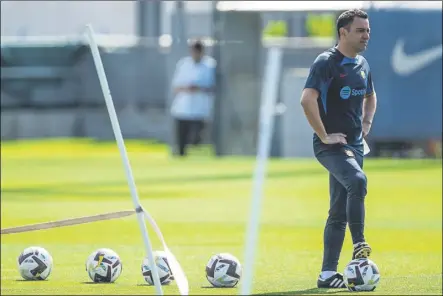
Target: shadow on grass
[[82, 188], [94, 283], [312, 291], [224, 288], [30, 281], [148, 285], [85, 189]]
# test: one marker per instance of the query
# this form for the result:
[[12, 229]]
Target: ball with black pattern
[[104, 266], [35, 263], [361, 275], [163, 269], [223, 270]]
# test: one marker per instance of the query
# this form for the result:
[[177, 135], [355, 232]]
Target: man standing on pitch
[[339, 102], [193, 86]]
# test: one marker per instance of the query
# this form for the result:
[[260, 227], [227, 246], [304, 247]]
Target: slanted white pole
[[121, 145], [269, 95]]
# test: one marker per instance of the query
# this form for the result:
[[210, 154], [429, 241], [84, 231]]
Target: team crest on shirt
[[363, 74], [349, 153]]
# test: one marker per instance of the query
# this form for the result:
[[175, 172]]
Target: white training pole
[[177, 271], [266, 125], [67, 222], [121, 145]]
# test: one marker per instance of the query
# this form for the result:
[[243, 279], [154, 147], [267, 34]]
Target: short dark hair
[[347, 17], [197, 46]]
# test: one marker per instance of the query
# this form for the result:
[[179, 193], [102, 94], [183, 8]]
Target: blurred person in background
[[193, 88]]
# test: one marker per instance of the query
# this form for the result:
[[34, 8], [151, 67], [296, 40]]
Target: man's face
[[358, 35], [196, 55]]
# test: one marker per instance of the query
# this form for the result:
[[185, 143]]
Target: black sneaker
[[333, 282], [362, 250]]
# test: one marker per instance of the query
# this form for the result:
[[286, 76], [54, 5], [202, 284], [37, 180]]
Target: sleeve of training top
[[211, 77], [318, 74], [179, 75], [209, 63]]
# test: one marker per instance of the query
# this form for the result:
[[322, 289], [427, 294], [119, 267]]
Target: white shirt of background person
[[193, 84]]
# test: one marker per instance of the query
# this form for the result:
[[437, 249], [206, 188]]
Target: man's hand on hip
[[337, 138]]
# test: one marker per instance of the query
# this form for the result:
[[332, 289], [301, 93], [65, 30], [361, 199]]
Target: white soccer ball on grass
[[361, 275], [223, 270], [163, 269], [35, 263], [104, 266]]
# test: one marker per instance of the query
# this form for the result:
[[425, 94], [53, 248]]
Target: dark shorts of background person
[[188, 132]]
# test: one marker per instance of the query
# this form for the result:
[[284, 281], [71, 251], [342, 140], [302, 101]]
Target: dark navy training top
[[342, 83]]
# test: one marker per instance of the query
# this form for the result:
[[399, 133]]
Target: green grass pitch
[[201, 205]]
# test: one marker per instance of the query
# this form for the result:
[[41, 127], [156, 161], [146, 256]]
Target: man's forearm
[[179, 89], [202, 89], [312, 113], [369, 107], [209, 89]]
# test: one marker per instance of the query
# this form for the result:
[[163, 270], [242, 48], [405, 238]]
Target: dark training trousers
[[347, 189], [188, 132]]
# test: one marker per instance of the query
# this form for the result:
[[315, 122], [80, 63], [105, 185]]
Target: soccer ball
[[35, 263], [361, 275], [104, 266], [223, 270], [164, 272]]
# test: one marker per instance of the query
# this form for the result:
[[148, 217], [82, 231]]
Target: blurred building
[[50, 87]]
